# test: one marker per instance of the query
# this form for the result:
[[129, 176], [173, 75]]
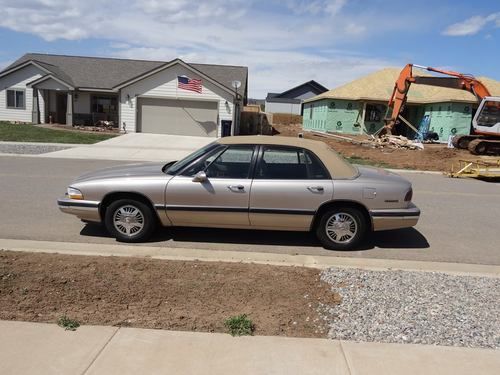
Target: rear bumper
[[85, 210], [395, 218]]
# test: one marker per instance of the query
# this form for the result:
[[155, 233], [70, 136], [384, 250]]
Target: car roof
[[338, 167]]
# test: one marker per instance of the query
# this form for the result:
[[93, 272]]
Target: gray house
[[290, 101], [172, 97]]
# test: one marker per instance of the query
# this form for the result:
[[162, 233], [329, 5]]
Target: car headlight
[[74, 193]]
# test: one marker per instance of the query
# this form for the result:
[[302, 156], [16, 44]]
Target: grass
[[373, 163], [239, 325], [67, 323], [32, 133]]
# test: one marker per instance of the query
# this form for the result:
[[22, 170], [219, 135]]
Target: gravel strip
[[29, 149], [414, 307]]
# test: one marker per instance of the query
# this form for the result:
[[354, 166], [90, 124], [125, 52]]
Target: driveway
[[459, 220], [136, 147]]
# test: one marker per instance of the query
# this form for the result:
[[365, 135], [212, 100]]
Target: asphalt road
[[460, 219]]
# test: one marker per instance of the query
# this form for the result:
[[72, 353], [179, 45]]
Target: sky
[[283, 43]]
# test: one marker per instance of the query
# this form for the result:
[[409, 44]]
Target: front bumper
[[395, 218], [85, 210]]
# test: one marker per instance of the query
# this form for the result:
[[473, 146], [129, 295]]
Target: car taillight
[[409, 195]]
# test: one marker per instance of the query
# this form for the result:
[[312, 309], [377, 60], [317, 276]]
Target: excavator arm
[[406, 79]]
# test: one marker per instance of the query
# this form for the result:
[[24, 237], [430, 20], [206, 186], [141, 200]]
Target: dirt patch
[[435, 157], [175, 295]]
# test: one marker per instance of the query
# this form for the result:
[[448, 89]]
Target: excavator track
[[484, 147], [462, 141]]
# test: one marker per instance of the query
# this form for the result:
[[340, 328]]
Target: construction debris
[[396, 141], [385, 141], [482, 168]]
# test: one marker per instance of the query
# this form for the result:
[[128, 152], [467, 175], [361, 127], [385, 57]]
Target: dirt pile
[[174, 295], [435, 157]]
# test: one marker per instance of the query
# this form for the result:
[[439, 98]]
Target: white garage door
[[181, 117]]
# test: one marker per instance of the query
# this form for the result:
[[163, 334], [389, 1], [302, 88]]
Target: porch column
[[35, 114], [69, 109]]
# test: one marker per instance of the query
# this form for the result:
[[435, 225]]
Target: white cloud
[[472, 25], [280, 47]]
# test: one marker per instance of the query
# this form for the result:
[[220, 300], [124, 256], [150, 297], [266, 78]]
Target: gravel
[[30, 149], [414, 307]]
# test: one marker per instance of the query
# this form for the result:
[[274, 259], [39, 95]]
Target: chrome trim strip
[[241, 209], [207, 208], [411, 211], [77, 203], [281, 211]]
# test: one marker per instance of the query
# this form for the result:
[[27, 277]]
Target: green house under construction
[[359, 107]]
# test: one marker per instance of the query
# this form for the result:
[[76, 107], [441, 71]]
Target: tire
[[140, 225], [344, 241]]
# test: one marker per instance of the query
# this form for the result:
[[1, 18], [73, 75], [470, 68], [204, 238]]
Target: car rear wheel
[[129, 220], [341, 228]]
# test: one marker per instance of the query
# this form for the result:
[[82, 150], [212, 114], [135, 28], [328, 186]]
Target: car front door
[[214, 190], [289, 185]]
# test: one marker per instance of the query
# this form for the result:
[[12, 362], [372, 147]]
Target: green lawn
[[31, 133]]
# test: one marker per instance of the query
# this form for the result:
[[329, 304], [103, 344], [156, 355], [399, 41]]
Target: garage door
[[181, 117]]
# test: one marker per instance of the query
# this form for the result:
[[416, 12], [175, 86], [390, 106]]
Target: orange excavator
[[486, 122]]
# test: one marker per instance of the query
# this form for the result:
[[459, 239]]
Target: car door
[[220, 197], [289, 185]]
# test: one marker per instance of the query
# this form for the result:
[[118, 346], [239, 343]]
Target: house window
[[104, 104], [16, 99], [311, 111]]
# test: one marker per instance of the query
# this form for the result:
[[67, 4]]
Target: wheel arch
[[116, 195], [341, 203]]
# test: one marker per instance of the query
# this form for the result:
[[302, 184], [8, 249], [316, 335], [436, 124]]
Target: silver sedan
[[252, 182]]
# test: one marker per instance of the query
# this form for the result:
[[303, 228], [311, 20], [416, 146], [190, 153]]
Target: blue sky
[[283, 43]]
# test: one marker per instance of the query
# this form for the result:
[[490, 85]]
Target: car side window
[[315, 168], [289, 163], [202, 163], [234, 162]]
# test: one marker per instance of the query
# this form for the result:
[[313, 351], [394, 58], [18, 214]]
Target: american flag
[[186, 83]]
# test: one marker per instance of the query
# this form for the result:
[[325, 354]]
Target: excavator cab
[[487, 118]]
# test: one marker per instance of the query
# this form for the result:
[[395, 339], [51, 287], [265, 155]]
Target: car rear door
[[289, 185], [219, 201]]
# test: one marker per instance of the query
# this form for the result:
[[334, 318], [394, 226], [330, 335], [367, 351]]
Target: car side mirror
[[201, 176]]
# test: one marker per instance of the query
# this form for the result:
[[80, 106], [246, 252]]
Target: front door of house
[[61, 105]]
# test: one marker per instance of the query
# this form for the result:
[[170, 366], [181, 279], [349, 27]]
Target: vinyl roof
[[106, 73], [338, 167], [378, 86]]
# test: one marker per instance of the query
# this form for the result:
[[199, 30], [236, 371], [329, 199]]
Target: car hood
[[379, 175], [129, 170]]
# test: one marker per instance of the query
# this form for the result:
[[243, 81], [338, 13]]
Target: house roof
[[287, 96], [378, 86], [106, 73]]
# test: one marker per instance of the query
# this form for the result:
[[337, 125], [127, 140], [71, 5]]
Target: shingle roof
[[378, 86], [106, 73]]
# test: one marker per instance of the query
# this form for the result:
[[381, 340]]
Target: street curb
[[44, 144], [415, 171], [310, 261]]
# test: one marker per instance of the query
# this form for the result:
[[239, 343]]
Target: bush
[[67, 323], [239, 325]]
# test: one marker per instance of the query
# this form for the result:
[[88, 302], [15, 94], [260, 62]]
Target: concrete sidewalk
[[136, 147], [29, 348]]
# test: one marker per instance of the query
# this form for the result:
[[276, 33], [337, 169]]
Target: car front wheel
[[129, 220], [341, 228]]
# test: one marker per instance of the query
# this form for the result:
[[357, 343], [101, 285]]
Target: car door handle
[[316, 189], [236, 188]]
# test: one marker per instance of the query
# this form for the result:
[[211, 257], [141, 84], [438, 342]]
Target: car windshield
[[181, 164]]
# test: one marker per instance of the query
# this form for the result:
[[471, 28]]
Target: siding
[[449, 119], [341, 116], [164, 85], [18, 80]]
